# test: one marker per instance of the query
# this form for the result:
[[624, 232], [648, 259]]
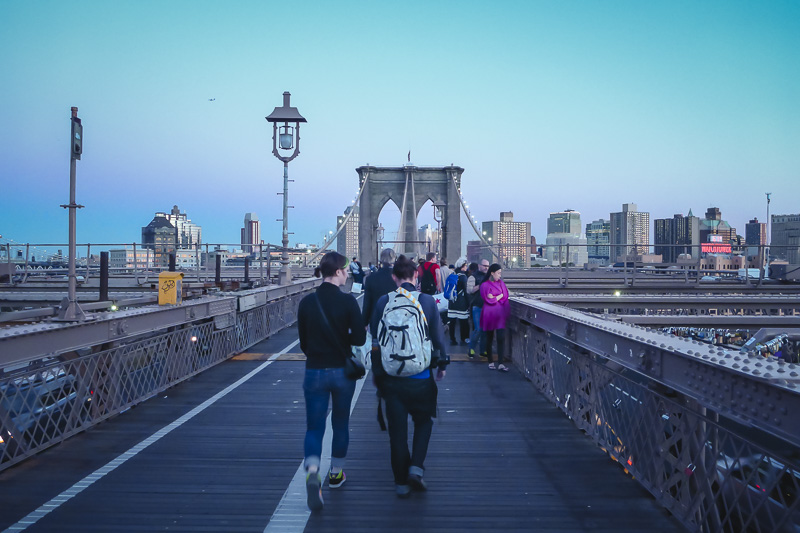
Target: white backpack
[[403, 335]]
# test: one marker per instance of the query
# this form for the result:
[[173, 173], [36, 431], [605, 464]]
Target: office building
[[565, 242], [509, 240], [714, 225], [785, 238], [347, 241], [755, 237], [251, 233], [598, 237], [630, 233], [160, 237], [676, 236]]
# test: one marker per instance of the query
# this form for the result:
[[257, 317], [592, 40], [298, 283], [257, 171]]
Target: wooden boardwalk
[[501, 459]]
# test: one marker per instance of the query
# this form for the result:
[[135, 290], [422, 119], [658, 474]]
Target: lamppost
[[70, 309], [287, 139]]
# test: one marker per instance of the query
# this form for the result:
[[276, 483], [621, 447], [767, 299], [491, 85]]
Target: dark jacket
[[345, 319], [434, 327], [461, 305], [375, 286], [477, 299]]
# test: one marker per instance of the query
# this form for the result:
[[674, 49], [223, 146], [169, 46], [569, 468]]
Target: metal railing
[[711, 433], [57, 380]]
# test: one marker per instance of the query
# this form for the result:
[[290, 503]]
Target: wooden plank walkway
[[501, 459]]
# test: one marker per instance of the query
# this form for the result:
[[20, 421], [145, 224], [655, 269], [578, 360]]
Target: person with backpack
[[494, 314], [406, 332], [328, 322], [430, 275], [455, 290]]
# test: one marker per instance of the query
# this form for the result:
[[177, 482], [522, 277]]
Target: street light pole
[[70, 310], [287, 138]]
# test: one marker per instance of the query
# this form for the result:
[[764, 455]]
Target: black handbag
[[353, 368]]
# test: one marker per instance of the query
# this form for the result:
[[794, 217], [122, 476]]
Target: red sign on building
[[715, 248]]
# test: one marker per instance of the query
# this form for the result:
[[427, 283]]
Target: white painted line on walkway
[[78, 487]]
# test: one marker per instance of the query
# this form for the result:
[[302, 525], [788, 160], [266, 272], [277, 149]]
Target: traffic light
[[77, 138]]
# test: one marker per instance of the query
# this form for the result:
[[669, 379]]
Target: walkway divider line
[[291, 515], [81, 485]]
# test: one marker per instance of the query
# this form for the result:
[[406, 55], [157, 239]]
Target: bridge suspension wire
[[344, 222], [469, 218]]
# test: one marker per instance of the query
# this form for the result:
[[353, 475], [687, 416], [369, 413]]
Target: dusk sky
[[546, 105]]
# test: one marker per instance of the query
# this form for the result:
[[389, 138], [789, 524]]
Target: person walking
[[477, 341], [328, 322], [494, 314], [458, 309], [430, 275], [378, 284], [358, 275], [413, 395]]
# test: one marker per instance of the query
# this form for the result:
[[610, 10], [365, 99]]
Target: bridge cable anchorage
[[344, 222], [471, 223]]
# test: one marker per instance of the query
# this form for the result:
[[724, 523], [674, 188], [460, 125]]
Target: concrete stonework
[[418, 185]]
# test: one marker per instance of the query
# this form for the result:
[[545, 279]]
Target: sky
[[546, 105]]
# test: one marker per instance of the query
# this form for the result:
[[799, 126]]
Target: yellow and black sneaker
[[336, 480], [314, 492]]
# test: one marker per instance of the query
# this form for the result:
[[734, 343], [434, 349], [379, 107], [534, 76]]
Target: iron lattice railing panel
[[712, 474], [55, 398]]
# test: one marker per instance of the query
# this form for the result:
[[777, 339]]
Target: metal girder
[[756, 391], [19, 344], [714, 321]]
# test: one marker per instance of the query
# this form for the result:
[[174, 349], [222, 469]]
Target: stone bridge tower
[[409, 187]]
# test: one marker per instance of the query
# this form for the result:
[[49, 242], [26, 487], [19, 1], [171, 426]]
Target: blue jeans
[[319, 385], [477, 339]]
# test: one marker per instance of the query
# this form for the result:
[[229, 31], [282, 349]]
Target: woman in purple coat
[[494, 314]]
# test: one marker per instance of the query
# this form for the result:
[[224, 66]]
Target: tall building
[[755, 237], [251, 232], [669, 233], [427, 235], [785, 238], [347, 241], [598, 237], [187, 234], [160, 237], [630, 232], [510, 240], [714, 225], [565, 241]]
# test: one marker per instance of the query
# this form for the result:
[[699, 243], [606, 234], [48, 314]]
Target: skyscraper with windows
[[565, 242], [251, 232], [347, 241], [677, 235], [630, 232], [598, 237], [755, 237], [714, 225], [509, 240], [785, 238]]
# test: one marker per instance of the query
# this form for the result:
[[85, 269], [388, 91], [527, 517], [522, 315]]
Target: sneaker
[[485, 354], [336, 480], [491, 366], [502, 368], [403, 491], [417, 483], [314, 492], [471, 352]]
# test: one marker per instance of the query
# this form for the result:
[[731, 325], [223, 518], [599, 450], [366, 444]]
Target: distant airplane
[[211, 99]]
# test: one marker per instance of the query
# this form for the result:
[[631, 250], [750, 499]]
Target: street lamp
[[285, 138]]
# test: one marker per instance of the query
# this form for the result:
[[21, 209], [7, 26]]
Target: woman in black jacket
[[328, 322], [458, 310]]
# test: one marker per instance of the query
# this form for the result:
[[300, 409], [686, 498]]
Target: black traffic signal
[[77, 138]]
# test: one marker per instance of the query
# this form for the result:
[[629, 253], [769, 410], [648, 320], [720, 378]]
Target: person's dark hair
[[404, 268], [430, 256], [494, 268], [330, 263], [443, 261], [472, 268]]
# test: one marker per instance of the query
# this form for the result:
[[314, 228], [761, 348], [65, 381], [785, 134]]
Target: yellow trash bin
[[170, 287]]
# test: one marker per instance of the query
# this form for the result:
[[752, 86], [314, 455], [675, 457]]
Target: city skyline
[[672, 107]]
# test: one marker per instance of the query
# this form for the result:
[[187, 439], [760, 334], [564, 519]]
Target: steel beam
[[760, 392]]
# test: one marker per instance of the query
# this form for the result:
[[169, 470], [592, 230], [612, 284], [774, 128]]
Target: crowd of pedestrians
[[402, 326]]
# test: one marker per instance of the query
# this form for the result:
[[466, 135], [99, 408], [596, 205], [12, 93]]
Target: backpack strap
[[404, 292]]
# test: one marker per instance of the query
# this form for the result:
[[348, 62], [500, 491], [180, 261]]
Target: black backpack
[[427, 284]]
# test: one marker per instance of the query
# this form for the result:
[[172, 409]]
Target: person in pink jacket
[[494, 314]]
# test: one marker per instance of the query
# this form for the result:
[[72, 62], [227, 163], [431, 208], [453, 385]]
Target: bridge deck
[[501, 459]]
